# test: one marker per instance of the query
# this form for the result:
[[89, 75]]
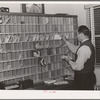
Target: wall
[[14, 7], [72, 9]]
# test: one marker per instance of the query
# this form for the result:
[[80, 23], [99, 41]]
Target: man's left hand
[[67, 58]]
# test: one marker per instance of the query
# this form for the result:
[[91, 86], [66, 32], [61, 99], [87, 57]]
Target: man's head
[[83, 33]]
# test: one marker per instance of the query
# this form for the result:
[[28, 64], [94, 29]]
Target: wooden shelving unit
[[21, 34]]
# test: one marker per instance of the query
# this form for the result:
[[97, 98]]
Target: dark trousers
[[84, 81]]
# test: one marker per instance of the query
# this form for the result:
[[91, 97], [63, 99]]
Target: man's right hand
[[64, 38]]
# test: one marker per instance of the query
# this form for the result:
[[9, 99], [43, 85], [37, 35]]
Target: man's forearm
[[72, 47]]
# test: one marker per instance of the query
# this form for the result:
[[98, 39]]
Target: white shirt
[[83, 54]]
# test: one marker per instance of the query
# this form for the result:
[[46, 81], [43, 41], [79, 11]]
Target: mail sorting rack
[[21, 34]]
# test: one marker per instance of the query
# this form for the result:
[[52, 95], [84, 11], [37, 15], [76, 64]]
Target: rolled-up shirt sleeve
[[83, 55]]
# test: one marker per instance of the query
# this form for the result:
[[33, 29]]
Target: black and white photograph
[[50, 47]]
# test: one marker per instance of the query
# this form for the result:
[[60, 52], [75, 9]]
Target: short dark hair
[[85, 30]]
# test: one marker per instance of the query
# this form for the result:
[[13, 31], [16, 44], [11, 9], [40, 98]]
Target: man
[[84, 77]]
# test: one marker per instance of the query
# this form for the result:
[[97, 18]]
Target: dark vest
[[89, 65]]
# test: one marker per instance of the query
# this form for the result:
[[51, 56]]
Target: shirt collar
[[85, 40]]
